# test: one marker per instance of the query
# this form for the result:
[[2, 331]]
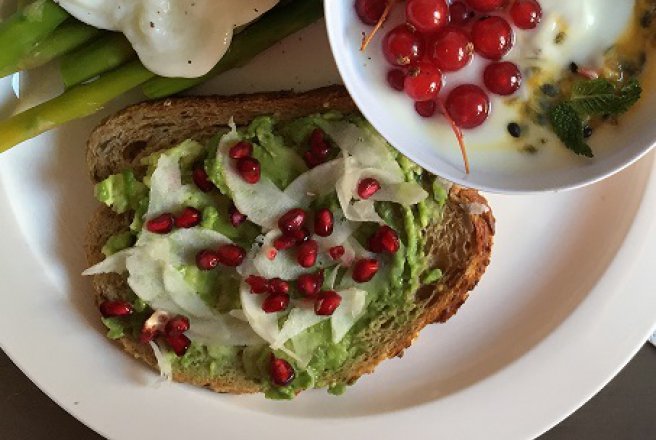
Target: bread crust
[[121, 140]]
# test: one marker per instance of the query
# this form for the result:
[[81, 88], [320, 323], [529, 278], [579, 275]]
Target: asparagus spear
[[75, 103], [271, 28], [27, 27], [63, 40], [105, 54]]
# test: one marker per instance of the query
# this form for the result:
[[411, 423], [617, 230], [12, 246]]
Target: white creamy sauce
[[174, 38]]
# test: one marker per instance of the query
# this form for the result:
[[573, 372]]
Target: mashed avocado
[[279, 147]]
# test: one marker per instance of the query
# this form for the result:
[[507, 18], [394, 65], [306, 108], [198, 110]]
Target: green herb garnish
[[589, 98]]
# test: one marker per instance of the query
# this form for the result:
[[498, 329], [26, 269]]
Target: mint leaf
[[600, 97], [568, 126]]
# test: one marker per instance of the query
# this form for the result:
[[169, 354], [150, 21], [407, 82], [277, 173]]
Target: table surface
[[624, 409]]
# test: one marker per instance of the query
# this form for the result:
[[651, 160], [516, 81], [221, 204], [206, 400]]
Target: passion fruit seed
[[115, 309], [189, 218], [162, 224]]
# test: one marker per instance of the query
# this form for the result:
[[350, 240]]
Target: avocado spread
[[279, 147]]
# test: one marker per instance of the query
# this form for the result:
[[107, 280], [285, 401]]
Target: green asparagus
[[75, 103], [271, 28], [22, 31], [63, 40], [107, 53]]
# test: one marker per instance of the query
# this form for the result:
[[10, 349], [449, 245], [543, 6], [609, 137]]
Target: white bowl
[[392, 113]]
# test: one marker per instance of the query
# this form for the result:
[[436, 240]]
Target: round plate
[[497, 161], [566, 302]]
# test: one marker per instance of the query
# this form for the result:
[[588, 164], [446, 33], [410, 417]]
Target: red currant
[[526, 14], [427, 15], [502, 78], [423, 82], [425, 108], [486, 5], [396, 79], [492, 37], [468, 106], [370, 11], [402, 46], [461, 14], [452, 49]]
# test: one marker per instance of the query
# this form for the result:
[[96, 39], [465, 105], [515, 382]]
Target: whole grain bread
[[460, 244]]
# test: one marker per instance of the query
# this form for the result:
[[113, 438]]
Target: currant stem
[[367, 39], [458, 132]]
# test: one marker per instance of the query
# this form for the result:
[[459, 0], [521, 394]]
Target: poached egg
[[173, 38]]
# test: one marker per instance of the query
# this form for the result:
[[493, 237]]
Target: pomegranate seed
[[114, 309], [309, 284], [272, 253], [292, 220], [402, 46], [277, 285], [236, 217], [385, 239], [312, 160], [249, 169], [526, 14], [307, 253], [452, 49], [162, 224], [231, 255], [502, 78], [461, 15], [207, 260], [426, 109], [327, 303], [424, 81], [281, 371], [153, 326], [396, 79], [258, 284], [323, 222], [370, 11], [468, 106], [241, 149], [319, 147], [189, 218], [301, 235], [176, 325], [276, 302], [201, 179], [365, 270], [367, 187], [427, 15], [284, 242], [179, 343], [492, 37], [486, 5], [336, 252]]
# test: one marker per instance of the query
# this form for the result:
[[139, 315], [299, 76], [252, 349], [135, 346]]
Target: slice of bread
[[460, 245]]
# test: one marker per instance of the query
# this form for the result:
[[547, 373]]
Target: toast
[[460, 245]]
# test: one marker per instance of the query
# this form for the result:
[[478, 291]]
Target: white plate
[[499, 168], [567, 301]]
